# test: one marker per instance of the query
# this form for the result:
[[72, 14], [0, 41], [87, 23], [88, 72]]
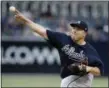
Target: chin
[[74, 39]]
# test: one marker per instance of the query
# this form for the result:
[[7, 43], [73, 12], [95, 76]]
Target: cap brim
[[75, 25]]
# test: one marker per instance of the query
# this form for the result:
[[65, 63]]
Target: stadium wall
[[39, 57]]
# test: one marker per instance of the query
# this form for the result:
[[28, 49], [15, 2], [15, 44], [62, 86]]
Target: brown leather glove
[[78, 68]]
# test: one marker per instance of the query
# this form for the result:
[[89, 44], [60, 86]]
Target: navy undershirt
[[70, 52]]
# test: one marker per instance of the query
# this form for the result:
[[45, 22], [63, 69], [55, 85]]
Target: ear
[[84, 34]]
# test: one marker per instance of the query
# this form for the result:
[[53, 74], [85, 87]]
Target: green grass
[[41, 80]]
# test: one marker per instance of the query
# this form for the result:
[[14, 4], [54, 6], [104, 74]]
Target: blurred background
[[28, 60]]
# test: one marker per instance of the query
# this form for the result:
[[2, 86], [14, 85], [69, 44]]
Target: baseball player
[[79, 60]]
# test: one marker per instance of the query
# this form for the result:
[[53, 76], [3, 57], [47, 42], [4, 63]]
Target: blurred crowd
[[56, 16]]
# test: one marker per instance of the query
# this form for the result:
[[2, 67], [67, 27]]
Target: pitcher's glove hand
[[78, 68]]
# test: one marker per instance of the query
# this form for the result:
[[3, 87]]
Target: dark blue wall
[[101, 47]]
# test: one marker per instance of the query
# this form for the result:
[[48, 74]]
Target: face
[[77, 33]]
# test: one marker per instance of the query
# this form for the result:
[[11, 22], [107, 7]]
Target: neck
[[81, 42]]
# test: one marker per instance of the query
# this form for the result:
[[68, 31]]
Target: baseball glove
[[79, 68]]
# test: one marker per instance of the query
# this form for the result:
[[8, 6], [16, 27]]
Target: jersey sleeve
[[54, 38], [96, 62], [100, 65], [94, 59]]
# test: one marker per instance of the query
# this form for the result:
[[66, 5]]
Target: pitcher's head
[[78, 30]]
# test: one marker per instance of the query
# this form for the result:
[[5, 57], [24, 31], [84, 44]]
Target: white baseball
[[12, 9]]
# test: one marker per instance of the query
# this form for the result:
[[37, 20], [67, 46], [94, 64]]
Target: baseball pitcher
[[80, 62]]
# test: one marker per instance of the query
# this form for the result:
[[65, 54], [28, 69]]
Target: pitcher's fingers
[[16, 16], [17, 12]]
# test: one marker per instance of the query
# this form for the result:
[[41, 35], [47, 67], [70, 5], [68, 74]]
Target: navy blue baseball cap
[[80, 24]]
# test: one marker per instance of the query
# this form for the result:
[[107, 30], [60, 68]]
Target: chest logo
[[72, 54]]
